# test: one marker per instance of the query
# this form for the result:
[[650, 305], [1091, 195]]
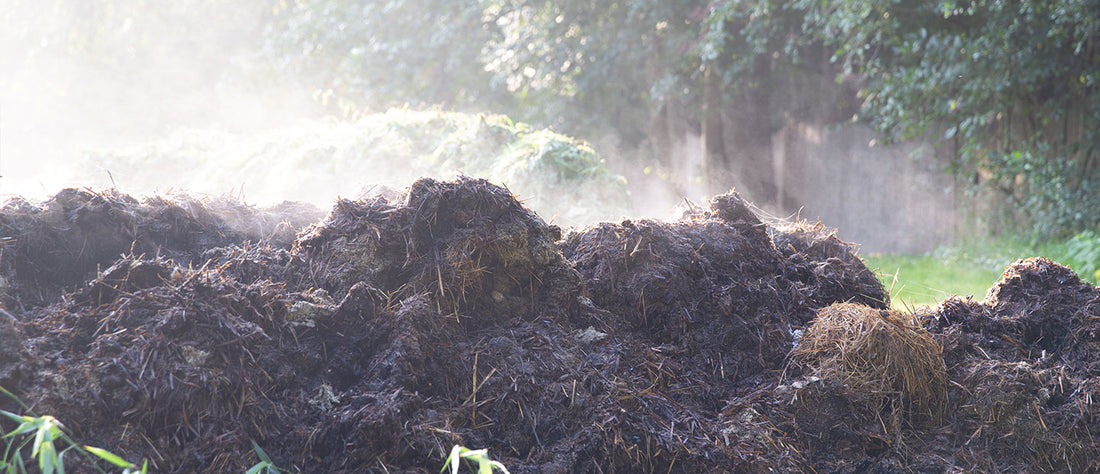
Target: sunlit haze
[[210, 98]]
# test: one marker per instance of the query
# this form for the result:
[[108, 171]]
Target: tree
[[585, 67], [594, 65], [627, 65], [739, 50], [367, 56], [1013, 86]]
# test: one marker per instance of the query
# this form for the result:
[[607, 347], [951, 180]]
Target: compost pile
[[182, 331]]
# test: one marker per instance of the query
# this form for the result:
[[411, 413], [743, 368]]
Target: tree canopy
[[1012, 87]]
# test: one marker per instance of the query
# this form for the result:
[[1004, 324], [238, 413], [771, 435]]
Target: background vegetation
[[1009, 90], [1013, 87], [561, 178]]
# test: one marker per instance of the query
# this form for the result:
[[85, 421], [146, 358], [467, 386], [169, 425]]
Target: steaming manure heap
[[376, 338]]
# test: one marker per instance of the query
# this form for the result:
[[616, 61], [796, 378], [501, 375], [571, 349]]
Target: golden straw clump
[[886, 355]]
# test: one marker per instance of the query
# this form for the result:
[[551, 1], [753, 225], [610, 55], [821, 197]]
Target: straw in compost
[[885, 354]]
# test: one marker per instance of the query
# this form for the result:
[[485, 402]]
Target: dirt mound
[[824, 267], [64, 241], [1025, 370], [396, 328], [467, 243], [152, 356], [1021, 382]]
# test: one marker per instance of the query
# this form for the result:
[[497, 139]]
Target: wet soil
[[377, 337]]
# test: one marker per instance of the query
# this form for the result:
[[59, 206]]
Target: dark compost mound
[[64, 241], [468, 244], [1027, 371], [394, 329], [825, 267]]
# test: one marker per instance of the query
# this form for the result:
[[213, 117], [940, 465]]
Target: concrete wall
[[895, 198]]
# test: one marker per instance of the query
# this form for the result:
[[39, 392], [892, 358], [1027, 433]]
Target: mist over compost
[[318, 161], [270, 100], [373, 339]]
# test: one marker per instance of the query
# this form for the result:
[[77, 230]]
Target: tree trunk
[[715, 161], [757, 167]]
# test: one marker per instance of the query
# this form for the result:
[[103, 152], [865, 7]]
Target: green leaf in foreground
[[110, 457], [47, 430], [480, 456], [265, 464]]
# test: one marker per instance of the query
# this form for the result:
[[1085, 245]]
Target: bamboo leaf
[[109, 457]]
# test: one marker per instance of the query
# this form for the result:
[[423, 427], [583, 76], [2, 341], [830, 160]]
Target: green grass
[[972, 268], [924, 279]]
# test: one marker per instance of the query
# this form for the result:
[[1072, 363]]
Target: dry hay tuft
[[883, 354]]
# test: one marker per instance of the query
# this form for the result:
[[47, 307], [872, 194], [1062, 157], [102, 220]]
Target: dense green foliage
[[1014, 86], [1010, 88], [571, 64], [1082, 253], [374, 55]]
